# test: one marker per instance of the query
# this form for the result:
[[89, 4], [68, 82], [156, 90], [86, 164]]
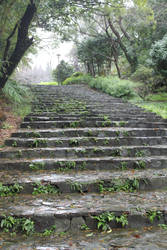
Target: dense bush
[[158, 55], [77, 79], [142, 74], [114, 86]]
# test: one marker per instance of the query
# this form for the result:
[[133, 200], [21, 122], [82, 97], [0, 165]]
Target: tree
[[15, 41], [96, 54], [18, 21], [158, 54], [62, 72]]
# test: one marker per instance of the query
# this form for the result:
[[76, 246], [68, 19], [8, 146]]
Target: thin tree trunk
[[132, 61]]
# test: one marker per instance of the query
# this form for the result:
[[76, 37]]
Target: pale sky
[[48, 51]]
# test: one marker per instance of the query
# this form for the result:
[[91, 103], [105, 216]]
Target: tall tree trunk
[[132, 60], [10, 62]]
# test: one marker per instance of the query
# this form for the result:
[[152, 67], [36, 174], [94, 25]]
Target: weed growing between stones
[[153, 214], [74, 142], [127, 185], [84, 227], [44, 189], [105, 218], [124, 165], [140, 153], [74, 124], [125, 133], [15, 225], [36, 134], [163, 226], [37, 166], [71, 165], [140, 164], [76, 186], [14, 144], [10, 190], [39, 143]]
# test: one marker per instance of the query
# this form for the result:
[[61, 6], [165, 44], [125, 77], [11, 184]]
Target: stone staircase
[[85, 160]]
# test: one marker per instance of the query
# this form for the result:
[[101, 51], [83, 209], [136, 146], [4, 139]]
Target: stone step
[[94, 163], [93, 132], [83, 182], [145, 238], [83, 123], [39, 150], [65, 212]]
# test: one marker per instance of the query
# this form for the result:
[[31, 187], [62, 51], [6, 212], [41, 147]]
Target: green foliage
[[37, 165], [163, 226], [77, 79], [46, 83], [158, 108], [62, 72], [142, 74], [114, 86], [105, 218], [50, 231], [19, 96], [10, 190], [127, 185], [11, 224], [153, 214], [44, 189], [158, 56]]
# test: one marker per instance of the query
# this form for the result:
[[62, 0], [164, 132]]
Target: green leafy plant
[[76, 186], [10, 190], [153, 214], [103, 220], [44, 189], [37, 165], [126, 185], [163, 226], [141, 164], [11, 224], [50, 231], [84, 227]]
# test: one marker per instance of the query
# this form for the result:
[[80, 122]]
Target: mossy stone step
[[63, 210], [40, 149], [38, 182], [100, 163]]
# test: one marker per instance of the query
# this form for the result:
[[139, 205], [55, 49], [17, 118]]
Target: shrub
[[83, 79], [114, 86], [76, 74], [142, 74], [158, 56]]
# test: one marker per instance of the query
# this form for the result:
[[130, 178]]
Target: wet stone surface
[[77, 139], [119, 239]]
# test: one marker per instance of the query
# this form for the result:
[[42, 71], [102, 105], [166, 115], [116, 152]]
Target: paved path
[[81, 154]]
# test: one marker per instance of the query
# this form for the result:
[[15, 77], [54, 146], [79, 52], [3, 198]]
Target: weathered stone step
[[100, 163], [83, 123], [85, 181], [78, 151], [88, 113], [85, 141], [146, 238], [66, 212], [87, 118], [93, 132]]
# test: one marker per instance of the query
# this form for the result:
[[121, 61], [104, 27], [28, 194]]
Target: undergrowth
[[18, 96]]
